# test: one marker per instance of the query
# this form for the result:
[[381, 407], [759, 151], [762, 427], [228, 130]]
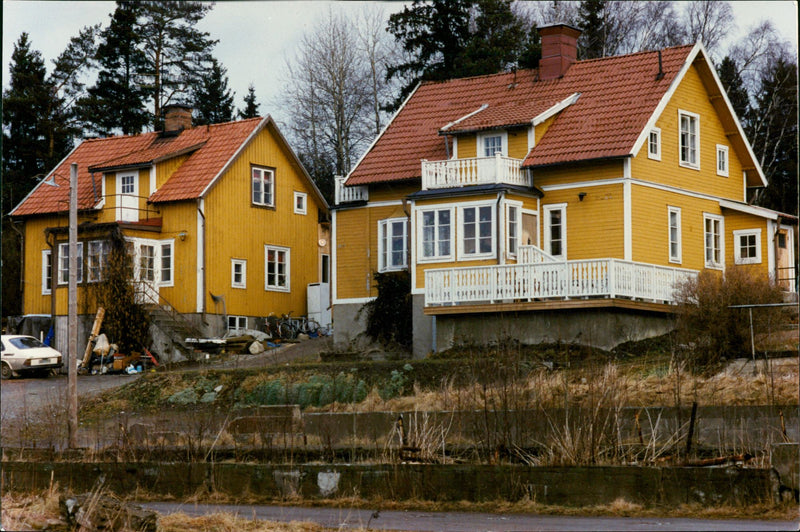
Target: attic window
[[263, 188], [654, 144], [689, 140], [722, 160]]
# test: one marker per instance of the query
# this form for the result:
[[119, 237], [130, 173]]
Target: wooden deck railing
[[608, 278]]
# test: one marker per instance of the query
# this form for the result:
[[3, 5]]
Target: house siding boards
[[576, 173], [226, 205], [205, 231], [691, 96], [594, 225]]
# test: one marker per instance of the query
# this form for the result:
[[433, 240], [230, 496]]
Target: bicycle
[[290, 327]]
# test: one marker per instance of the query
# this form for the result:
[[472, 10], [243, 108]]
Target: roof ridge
[[631, 54]]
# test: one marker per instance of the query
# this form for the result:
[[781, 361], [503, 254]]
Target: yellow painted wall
[[737, 221], [578, 173], [594, 225], [391, 192], [165, 169], [542, 128], [518, 142], [466, 146], [357, 248], [691, 96], [237, 229]]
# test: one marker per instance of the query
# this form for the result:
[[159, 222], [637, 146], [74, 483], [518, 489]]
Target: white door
[[127, 197], [145, 269]]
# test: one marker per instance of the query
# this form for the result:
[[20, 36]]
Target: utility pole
[[72, 356]]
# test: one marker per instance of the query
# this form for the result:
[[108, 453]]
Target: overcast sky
[[256, 37]]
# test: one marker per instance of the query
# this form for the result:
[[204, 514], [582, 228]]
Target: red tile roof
[[618, 95], [211, 148]]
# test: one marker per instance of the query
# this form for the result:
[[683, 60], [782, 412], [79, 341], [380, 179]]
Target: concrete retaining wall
[[572, 486], [602, 328]]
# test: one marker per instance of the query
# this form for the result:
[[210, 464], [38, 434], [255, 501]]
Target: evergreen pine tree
[[213, 101], [250, 105], [117, 100], [734, 86], [592, 23]]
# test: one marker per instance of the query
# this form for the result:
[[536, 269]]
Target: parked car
[[26, 354]]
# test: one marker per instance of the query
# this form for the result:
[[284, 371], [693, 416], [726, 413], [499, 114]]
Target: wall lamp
[[581, 195], [182, 235]]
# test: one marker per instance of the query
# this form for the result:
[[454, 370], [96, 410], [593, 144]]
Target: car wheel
[[5, 371]]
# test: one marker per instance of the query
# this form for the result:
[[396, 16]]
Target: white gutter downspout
[[201, 257]]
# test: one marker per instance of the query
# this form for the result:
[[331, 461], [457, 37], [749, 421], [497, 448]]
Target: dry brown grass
[[222, 522], [629, 386]]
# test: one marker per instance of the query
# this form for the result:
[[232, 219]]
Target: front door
[[145, 269], [127, 197], [784, 244]]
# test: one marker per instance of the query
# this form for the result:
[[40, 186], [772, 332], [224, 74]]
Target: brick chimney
[[177, 117], [559, 50]]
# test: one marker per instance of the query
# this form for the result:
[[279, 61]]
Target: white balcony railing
[[473, 171], [609, 278], [533, 255], [344, 194]]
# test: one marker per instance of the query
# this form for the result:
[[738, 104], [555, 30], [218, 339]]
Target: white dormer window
[[654, 144], [722, 160], [492, 143]]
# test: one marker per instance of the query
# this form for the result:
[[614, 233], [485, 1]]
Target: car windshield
[[26, 342]]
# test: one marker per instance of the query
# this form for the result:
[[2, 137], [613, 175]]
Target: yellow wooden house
[[563, 203], [224, 223]]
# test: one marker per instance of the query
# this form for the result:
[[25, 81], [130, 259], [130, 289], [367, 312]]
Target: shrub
[[389, 314], [710, 328]]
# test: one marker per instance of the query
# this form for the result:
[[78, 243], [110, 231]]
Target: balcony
[[595, 278], [454, 173], [345, 194]]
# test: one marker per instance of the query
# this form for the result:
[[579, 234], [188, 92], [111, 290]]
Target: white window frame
[[722, 157], [265, 177], [47, 272], [436, 256], [654, 149], [239, 323], [170, 267], [123, 212], [737, 246], [548, 234], [102, 258], [385, 236], [301, 209], [242, 264], [461, 234], [719, 221], [694, 118], [676, 257], [517, 228], [63, 268], [141, 258], [481, 146], [277, 287]]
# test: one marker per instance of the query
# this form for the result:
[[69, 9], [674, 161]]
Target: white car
[[23, 354]]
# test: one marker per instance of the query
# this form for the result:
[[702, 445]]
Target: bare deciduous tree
[[335, 87], [709, 21]]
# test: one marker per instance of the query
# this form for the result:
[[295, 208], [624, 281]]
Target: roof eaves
[[724, 94], [316, 189], [375, 141], [665, 98], [755, 210], [577, 161], [46, 179], [235, 155]]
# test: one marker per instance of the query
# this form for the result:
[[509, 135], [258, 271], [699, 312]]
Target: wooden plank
[[560, 304]]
